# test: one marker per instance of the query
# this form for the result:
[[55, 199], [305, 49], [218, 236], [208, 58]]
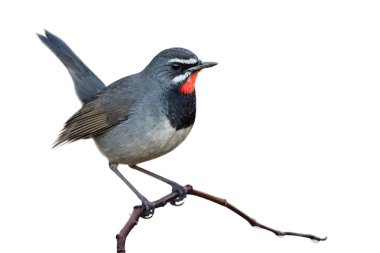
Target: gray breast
[[146, 135]]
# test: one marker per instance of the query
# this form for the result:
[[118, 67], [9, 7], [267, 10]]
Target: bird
[[137, 118]]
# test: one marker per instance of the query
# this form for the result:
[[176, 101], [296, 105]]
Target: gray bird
[[137, 118]]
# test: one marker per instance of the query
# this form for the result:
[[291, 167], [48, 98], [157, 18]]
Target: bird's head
[[176, 68]]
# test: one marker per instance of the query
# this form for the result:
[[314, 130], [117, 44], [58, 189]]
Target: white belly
[[133, 142]]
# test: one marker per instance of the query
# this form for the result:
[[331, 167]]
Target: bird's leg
[[148, 206], [175, 186]]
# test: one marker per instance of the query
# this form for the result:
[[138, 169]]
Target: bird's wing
[[104, 112]]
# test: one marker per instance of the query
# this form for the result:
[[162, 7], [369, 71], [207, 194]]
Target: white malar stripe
[[181, 78], [184, 61]]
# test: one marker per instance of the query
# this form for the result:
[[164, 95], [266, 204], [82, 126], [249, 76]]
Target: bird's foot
[[148, 209], [182, 193]]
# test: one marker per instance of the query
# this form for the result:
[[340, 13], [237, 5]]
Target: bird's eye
[[176, 66]]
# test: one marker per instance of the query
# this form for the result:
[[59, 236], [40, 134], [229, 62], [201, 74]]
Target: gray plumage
[[127, 119], [108, 114]]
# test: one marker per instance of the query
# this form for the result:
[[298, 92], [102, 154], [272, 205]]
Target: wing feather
[[108, 109], [91, 120]]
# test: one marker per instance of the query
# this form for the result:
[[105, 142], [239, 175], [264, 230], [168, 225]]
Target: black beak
[[202, 65]]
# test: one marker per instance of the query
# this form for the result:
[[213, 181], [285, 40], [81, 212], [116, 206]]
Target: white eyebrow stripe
[[184, 61], [181, 78]]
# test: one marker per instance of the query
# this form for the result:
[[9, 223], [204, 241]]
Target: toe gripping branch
[[138, 212]]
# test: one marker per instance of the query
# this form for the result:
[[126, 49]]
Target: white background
[[287, 126]]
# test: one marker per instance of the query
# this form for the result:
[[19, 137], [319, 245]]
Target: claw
[[181, 195], [147, 215], [148, 209], [177, 202]]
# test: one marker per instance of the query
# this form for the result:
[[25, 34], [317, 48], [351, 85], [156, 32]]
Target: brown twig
[[138, 212]]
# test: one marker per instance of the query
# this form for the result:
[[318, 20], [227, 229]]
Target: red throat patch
[[189, 86]]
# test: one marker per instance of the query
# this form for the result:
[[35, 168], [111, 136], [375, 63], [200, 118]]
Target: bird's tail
[[87, 84]]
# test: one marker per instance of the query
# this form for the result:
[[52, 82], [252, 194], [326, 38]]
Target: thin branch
[[139, 210]]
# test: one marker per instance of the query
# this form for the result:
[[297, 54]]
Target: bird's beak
[[202, 65]]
